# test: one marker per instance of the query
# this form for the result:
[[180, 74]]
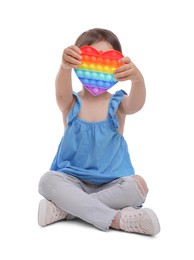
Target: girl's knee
[[141, 185], [45, 183]]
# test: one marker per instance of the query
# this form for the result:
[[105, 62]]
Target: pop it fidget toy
[[96, 71]]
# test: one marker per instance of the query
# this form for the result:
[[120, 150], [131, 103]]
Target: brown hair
[[97, 35]]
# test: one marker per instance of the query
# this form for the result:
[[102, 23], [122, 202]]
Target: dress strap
[[113, 106], [75, 109]]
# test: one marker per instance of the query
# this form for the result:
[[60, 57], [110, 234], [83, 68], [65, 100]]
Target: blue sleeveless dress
[[94, 152]]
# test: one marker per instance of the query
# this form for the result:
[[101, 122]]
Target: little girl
[[91, 176]]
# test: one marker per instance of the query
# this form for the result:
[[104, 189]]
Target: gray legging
[[95, 204]]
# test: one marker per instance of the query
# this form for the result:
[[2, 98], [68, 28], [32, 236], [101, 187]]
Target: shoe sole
[[155, 221], [42, 213]]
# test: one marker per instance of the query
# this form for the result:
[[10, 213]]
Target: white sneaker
[[143, 221], [49, 213]]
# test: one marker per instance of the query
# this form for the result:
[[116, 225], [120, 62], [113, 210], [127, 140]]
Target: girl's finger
[[73, 53], [125, 78], [126, 60], [75, 48], [123, 68], [123, 74], [71, 59]]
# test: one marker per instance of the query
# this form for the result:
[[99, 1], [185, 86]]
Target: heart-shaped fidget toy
[[96, 71]]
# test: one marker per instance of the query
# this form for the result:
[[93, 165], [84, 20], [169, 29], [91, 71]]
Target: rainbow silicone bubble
[[96, 72]]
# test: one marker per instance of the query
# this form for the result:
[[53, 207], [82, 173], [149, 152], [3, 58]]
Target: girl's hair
[[97, 35]]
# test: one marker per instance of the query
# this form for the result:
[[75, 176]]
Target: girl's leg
[[68, 194], [124, 192]]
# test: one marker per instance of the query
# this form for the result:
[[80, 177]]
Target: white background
[[158, 37]]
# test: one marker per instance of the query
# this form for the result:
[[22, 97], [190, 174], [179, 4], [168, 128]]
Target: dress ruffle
[[114, 104], [75, 110]]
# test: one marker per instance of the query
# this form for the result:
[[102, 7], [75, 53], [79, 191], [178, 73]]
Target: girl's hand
[[128, 71], [71, 57]]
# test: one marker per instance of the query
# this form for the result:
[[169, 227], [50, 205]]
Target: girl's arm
[[63, 83], [136, 98]]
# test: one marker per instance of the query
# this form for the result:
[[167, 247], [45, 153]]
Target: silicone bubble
[[96, 71]]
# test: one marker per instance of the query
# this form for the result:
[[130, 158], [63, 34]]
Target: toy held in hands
[[96, 71]]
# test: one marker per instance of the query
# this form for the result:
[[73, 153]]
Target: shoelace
[[57, 213], [131, 222]]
